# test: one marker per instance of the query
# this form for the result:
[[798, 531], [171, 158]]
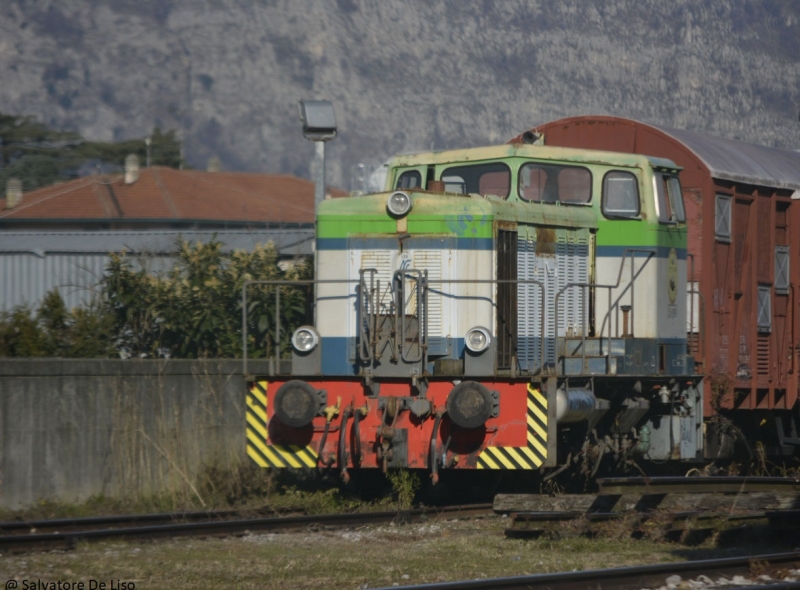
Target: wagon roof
[[725, 159], [739, 161]]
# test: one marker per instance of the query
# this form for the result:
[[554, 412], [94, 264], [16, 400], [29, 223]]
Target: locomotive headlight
[[305, 339], [478, 339], [399, 203], [296, 403]]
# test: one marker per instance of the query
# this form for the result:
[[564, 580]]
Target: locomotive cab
[[510, 307]]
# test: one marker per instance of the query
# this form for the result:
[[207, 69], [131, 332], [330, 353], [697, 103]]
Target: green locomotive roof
[[437, 212], [521, 150]]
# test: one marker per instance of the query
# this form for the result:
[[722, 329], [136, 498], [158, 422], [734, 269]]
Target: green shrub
[[405, 485]]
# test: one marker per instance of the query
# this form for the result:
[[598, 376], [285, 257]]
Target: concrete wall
[[73, 429]]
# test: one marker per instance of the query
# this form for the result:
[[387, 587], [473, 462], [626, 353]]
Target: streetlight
[[319, 126], [147, 142]]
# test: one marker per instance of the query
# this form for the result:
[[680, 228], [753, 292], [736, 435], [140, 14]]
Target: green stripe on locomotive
[[467, 216], [455, 215]]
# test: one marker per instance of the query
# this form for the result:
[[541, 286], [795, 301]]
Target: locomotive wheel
[[296, 403], [469, 404]]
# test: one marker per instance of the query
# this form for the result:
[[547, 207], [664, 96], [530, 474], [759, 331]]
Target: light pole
[[319, 126], [147, 142]]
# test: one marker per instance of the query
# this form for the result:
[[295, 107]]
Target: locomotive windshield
[[552, 183], [669, 199], [620, 195], [409, 179], [483, 179]]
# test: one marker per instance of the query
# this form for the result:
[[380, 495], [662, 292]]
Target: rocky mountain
[[403, 74]]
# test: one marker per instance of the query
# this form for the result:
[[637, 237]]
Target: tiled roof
[[168, 194]]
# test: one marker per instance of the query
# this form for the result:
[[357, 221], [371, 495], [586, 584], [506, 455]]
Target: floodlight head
[[319, 120]]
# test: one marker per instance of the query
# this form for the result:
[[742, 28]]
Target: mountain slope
[[403, 74]]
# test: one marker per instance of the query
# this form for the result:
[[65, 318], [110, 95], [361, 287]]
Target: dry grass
[[242, 486], [366, 557]]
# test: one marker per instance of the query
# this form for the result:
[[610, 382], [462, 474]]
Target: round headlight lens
[[399, 203], [478, 339], [305, 339]]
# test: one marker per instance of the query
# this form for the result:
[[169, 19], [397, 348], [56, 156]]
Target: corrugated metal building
[[60, 236], [35, 262], [744, 241]]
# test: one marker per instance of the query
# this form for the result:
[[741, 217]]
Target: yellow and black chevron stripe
[[535, 453], [264, 454]]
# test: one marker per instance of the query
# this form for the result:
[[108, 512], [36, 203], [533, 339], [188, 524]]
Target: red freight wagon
[[744, 245]]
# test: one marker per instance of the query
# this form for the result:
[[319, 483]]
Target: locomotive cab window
[[483, 179], [409, 179], [669, 199], [551, 183], [620, 195]]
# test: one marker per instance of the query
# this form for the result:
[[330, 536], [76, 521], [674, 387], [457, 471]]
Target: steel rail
[[17, 542], [85, 523], [628, 578], [717, 484]]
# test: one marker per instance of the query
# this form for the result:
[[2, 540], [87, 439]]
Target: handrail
[[423, 293], [691, 297], [365, 348], [632, 251], [425, 282], [293, 283], [400, 277], [372, 299], [793, 352]]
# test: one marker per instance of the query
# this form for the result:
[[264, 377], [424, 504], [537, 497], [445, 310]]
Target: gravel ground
[[366, 557]]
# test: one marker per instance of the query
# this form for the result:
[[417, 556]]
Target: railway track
[[18, 527], [751, 569], [715, 484], [668, 508], [147, 527]]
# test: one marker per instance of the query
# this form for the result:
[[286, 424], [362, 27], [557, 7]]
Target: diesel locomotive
[[514, 307]]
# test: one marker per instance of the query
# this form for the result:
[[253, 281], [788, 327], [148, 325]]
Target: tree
[[165, 150], [195, 309], [55, 331], [32, 152], [23, 135], [40, 156]]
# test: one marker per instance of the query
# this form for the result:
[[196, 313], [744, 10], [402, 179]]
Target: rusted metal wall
[[759, 365], [750, 368]]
